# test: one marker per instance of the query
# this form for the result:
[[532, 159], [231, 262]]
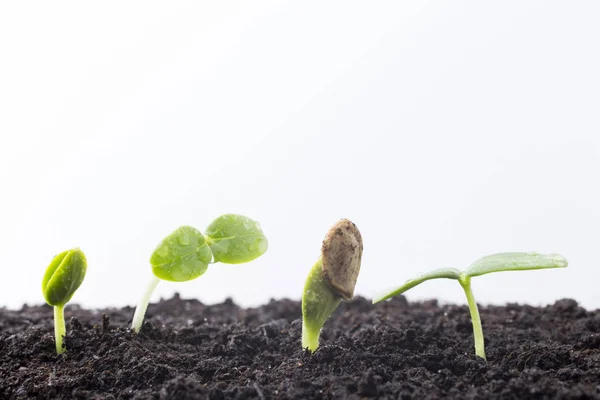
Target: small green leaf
[[181, 256], [515, 262], [235, 239], [63, 277], [449, 273]]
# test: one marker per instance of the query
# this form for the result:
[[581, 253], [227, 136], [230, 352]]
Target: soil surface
[[188, 350]]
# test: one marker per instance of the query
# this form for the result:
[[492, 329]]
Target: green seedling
[[493, 263], [63, 277], [331, 280], [185, 254]]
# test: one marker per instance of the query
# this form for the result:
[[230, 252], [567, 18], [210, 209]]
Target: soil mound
[[188, 350]]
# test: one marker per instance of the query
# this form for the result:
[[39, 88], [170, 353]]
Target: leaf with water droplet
[[182, 256], [235, 239]]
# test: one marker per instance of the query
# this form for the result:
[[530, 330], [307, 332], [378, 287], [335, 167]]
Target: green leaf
[[235, 239], [181, 256], [515, 262], [449, 273], [63, 277]]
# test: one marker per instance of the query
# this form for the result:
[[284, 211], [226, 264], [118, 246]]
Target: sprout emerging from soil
[[331, 280], [63, 277], [493, 263], [184, 255]]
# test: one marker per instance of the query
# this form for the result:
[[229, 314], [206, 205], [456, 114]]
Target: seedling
[[63, 277], [331, 280], [185, 254], [493, 263]]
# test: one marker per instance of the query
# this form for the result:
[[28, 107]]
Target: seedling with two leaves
[[185, 254], [493, 263], [63, 277]]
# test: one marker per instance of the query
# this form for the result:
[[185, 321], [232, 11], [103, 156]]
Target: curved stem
[[59, 328], [318, 302], [140, 310], [465, 282]]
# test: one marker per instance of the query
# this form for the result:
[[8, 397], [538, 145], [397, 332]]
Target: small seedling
[[493, 263], [331, 280], [63, 277], [185, 254]]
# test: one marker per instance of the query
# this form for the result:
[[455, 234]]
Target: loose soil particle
[[187, 350]]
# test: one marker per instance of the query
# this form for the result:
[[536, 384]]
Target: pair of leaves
[[493, 263], [185, 254], [63, 277]]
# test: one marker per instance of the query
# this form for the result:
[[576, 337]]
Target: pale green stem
[[465, 282], [140, 310], [59, 327], [318, 302], [310, 338]]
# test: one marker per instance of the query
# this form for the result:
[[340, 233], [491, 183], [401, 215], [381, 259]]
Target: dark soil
[[188, 350]]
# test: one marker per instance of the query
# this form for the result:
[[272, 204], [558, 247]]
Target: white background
[[445, 130]]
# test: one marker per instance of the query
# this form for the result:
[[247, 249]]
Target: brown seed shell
[[341, 254]]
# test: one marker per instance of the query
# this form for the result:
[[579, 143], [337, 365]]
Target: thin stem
[[140, 311], [59, 328], [465, 282]]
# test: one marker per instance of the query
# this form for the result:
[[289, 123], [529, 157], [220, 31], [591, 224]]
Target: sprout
[[63, 277], [331, 280], [185, 254], [493, 263]]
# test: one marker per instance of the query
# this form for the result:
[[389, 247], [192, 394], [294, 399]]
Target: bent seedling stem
[[465, 282], [493, 263]]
